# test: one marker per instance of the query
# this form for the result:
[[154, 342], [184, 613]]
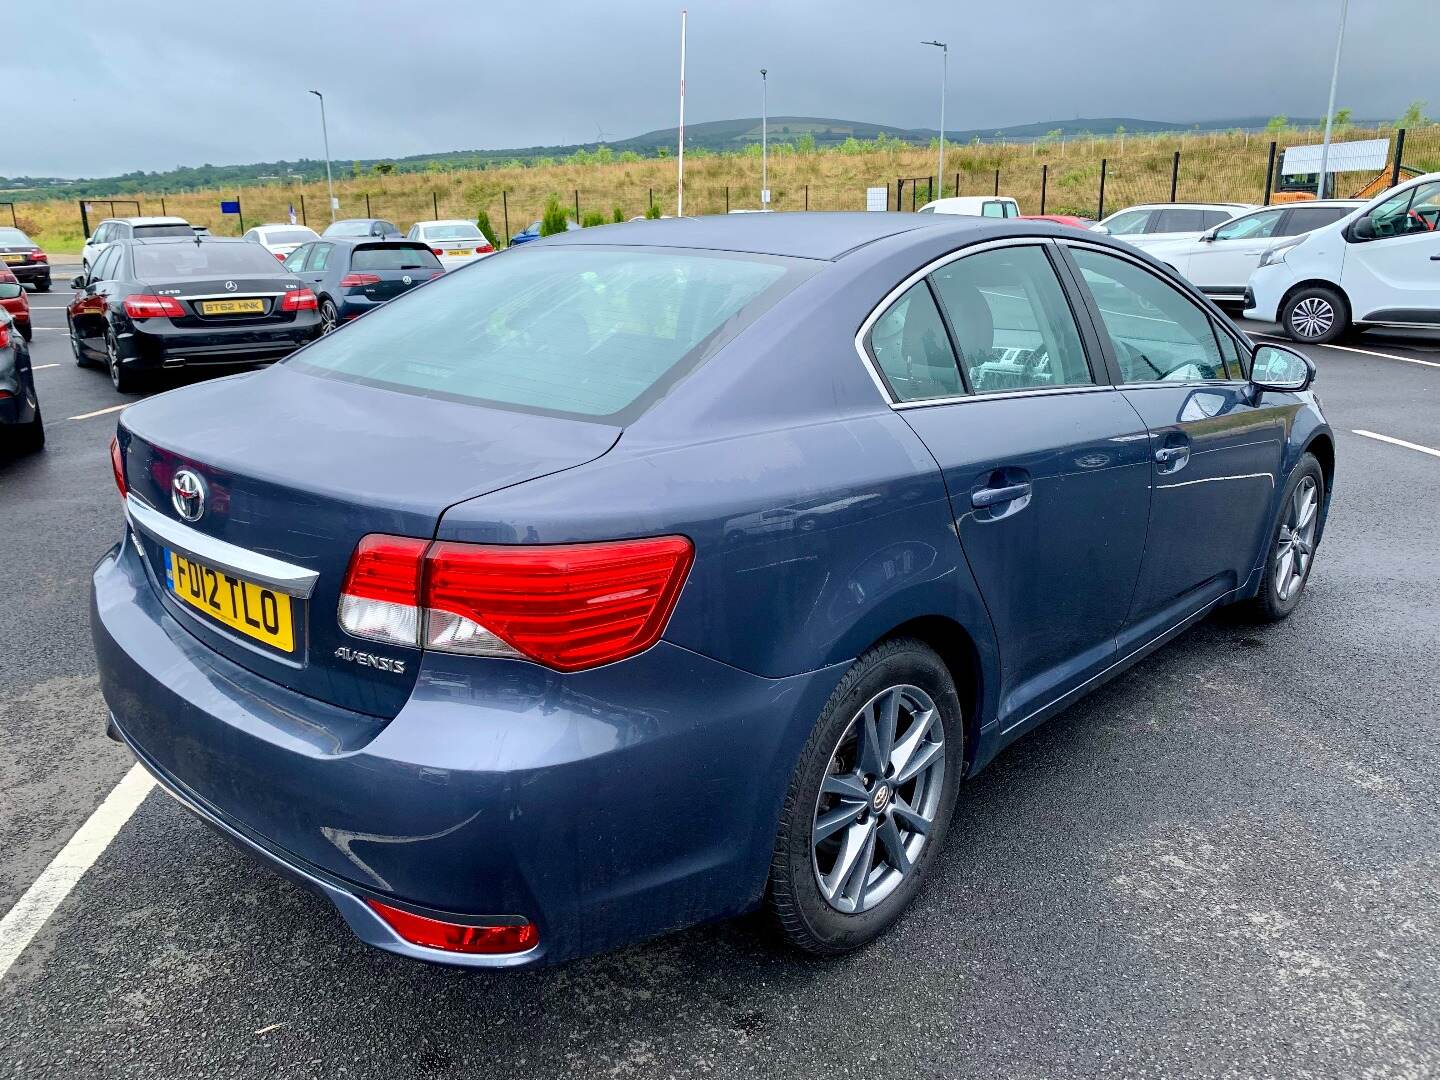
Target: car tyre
[[30, 439], [1291, 554], [834, 810], [329, 317], [125, 380], [81, 360], [1316, 315], [42, 285]]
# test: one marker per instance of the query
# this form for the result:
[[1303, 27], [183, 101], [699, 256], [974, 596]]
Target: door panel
[[1396, 277], [1228, 260]]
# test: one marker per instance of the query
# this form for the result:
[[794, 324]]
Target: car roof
[[281, 225], [806, 235], [149, 220], [1188, 206], [368, 241], [153, 241], [347, 220], [445, 221]]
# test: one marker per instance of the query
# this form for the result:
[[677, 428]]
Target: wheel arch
[[957, 648], [1322, 446], [1310, 283]]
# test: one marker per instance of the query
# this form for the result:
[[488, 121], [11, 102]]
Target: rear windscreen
[[348, 228], [13, 238], [452, 232], [203, 260], [150, 232], [288, 236], [393, 257], [575, 331]]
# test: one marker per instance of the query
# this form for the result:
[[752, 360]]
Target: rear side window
[[913, 352], [1129, 223], [1211, 218], [393, 257], [578, 332], [992, 209], [1178, 219], [223, 259], [1307, 219], [1013, 326], [105, 266], [1159, 334], [150, 232]]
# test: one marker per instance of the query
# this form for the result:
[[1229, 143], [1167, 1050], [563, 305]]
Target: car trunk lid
[[297, 469]]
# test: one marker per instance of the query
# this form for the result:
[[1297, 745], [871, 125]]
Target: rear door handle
[[987, 497], [1435, 258], [1167, 454]]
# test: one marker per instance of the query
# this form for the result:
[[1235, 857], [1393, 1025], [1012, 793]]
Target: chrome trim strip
[[1001, 395], [273, 573], [894, 294], [247, 295]]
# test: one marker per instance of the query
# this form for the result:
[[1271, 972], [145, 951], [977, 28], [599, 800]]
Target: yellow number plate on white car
[[459, 251]]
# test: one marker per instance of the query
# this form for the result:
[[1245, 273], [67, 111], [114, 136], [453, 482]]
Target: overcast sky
[[150, 84]]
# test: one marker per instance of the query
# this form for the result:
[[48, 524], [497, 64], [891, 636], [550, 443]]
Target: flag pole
[[680, 183]]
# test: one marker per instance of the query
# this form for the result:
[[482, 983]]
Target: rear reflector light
[[457, 937], [117, 465], [299, 300], [350, 281], [568, 606], [144, 306]]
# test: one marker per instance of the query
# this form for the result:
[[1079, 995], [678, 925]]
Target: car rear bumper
[[16, 408], [29, 272], [603, 806], [152, 347]]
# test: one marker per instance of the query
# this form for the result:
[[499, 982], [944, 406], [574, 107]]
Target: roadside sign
[[764, 196], [877, 198], [334, 203], [229, 206]]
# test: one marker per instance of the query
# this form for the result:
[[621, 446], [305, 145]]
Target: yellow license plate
[[21, 258], [232, 307], [253, 610], [460, 251]]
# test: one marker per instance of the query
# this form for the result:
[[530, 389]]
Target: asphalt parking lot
[[1224, 864]]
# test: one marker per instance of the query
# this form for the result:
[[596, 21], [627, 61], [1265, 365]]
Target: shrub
[[482, 222], [552, 222], [592, 218], [652, 211], [619, 215]]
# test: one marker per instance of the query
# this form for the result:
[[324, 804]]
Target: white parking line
[[100, 412], [1362, 352], [22, 922], [41, 367], [1397, 442]]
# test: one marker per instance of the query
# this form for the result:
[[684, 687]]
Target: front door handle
[[1166, 454], [1435, 258], [994, 496]]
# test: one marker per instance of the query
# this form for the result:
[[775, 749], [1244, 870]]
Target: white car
[[455, 242], [281, 240], [1377, 266], [1154, 223], [991, 206], [130, 228], [1220, 261]]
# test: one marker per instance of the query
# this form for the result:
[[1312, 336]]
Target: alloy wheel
[[1295, 547], [328, 317], [880, 796], [112, 357], [1312, 317], [75, 345]]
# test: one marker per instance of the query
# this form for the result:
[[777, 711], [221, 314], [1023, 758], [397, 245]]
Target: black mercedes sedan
[[23, 257], [183, 302]]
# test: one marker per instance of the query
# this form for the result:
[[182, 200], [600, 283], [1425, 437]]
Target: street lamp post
[[944, 78], [325, 131], [1330, 109], [764, 144]]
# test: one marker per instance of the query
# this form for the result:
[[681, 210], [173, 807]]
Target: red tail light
[[350, 281], [457, 937], [568, 606], [282, 256], [437, 251], [144, 306], [4, 335], [117, 465], [299, 300], [38, 256], [485, 247]]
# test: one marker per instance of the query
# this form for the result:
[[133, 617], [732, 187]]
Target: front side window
[[1232, 352], [1129, 223], [1159, 334], [911, 347], [296, 259], [1251, 226], [1413, 211], [1013, 326], [576, 332]]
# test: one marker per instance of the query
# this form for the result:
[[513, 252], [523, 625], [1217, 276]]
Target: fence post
[[1269, 172], [577, 206], [957, 185], [435, 203], [367, 205], [1174, 175], [807, 196], [727, 198], [997, 181], [1044, 182], [163, 211], [1399, 152], [1100, 213], [930, 189], [303, 220], [505, 213], [84, 219], [652, 196]]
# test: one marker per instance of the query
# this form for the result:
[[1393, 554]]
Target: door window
[[101, 235], [104, 269], [1413, 211], [296, 259], [1013, 326], [1159, 334], [1235, 356], [1210, 218], [1305, 219], [320, 257], [911, 347], [992, 209], [1251, 226], [1179, 219], [1129, 223]]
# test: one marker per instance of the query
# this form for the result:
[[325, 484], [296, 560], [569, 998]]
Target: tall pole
[[1330, 109], [944, 80], [325, 131], [680, 182], [764, 143]]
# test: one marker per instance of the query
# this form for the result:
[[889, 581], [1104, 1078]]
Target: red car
[[14, 300], [1061, 219]]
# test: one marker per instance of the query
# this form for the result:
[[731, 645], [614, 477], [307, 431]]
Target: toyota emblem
[[187, 495], [230, 286]]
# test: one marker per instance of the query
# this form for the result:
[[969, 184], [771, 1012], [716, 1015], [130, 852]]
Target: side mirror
[[78, 281], [1363, 229], [1101, 229], [1209, 237], [1278, 367]]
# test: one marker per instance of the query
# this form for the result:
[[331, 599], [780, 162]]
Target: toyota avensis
[[653, 573]]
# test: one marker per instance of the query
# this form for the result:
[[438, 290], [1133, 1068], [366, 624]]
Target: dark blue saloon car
[[668, 570]]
